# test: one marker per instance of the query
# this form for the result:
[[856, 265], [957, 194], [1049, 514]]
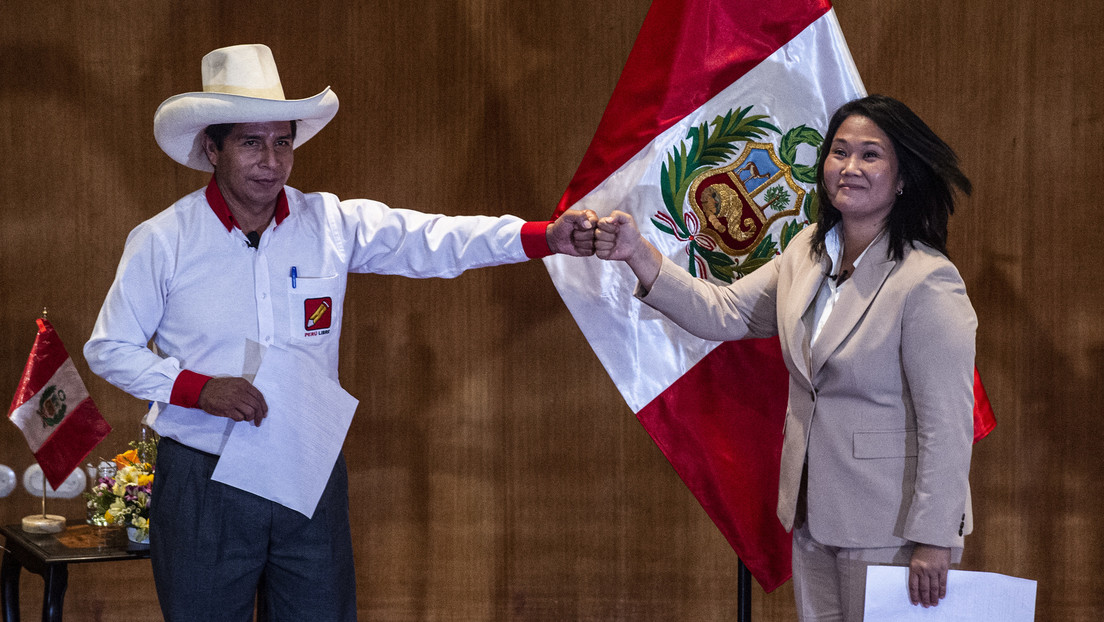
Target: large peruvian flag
[[710, 141], [53, 409]]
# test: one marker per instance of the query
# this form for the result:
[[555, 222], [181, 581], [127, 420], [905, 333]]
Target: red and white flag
[[53, 409], [710, 141]]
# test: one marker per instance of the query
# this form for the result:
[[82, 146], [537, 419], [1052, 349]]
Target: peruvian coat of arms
[[51, 406], [733, 196]]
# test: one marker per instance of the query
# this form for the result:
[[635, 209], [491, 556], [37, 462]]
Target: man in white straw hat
[[229, 271]]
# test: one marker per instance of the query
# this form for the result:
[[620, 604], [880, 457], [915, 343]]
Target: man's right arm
[[118, 350], [132, 310]]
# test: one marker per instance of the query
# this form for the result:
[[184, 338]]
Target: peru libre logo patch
[[737, 196], [317, 314]]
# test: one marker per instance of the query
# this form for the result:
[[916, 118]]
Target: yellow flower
[[141, 523], [108, 517], [118, 508], [127, 475], [145, 479]]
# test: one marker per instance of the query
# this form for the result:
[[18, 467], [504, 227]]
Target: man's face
[[253, 164]]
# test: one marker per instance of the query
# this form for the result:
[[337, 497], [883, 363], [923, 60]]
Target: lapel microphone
[[838, 278], [254, 239]]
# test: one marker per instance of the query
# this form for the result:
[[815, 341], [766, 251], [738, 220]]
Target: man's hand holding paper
[[288, 460]]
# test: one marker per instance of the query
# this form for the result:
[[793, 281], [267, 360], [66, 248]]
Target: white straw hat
[[240, 85]]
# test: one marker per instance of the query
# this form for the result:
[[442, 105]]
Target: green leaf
[[669, 182], [789, 230], [666, 182], [720, 264], [751, 265], [765, 249], [787, 151], [722, 273], [662, 226], [714, 257], [812, 206]]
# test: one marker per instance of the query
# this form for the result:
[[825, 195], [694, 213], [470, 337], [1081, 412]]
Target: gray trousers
[[216, 550]]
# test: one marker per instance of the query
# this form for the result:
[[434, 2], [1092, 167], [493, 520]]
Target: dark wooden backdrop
[[495, 472]]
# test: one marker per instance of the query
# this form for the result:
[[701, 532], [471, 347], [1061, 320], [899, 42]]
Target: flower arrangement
[[123, 498]]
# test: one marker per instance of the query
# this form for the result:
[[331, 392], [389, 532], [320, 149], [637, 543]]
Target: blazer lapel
[[805, 288], [853, 301]]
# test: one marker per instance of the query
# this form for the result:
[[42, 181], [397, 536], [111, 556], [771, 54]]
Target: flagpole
[[46, 523], [44, 517], [743, 593]]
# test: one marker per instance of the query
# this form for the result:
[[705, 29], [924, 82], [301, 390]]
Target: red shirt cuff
[[534, 239], [185, 391]]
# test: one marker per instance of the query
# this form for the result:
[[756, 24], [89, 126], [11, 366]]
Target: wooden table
[[49, 555]]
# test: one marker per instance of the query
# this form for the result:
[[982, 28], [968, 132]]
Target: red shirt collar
[[219, 207]]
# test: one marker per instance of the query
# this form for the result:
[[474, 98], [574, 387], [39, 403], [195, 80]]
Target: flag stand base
[[44, 523]]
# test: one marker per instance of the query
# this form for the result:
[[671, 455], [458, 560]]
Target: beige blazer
[[881, 408]]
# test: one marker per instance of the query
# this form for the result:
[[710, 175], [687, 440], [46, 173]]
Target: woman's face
[[860, 172]]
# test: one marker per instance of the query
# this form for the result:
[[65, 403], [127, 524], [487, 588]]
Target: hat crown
[[247, 70]]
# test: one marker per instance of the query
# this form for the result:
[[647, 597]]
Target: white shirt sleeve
[[383, 240], [118, 349]]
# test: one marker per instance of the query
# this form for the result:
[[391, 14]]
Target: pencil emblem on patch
[[317, 313]]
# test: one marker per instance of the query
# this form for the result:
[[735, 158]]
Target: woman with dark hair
[[878, 336], [926, 165]]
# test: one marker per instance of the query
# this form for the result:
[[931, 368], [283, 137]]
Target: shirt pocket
[[314, 304], [885, 444]]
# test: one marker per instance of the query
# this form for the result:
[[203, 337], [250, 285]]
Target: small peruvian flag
[[53, 409]]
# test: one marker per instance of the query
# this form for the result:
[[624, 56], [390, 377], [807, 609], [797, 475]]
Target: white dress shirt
[[210, 303]]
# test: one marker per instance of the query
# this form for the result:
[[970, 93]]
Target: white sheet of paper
[[980, 596], [289, 457]]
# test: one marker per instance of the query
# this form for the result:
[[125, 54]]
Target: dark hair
[[926, 164], [219, 131]]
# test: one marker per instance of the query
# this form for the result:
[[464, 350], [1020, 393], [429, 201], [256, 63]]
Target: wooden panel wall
[[495, 472]]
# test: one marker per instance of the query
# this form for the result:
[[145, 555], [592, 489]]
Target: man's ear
[[210, 149]]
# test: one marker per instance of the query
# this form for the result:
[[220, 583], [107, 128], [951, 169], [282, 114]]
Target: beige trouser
[[830, 581]]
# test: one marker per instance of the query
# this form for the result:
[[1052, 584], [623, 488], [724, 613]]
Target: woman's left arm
[[937, 350]]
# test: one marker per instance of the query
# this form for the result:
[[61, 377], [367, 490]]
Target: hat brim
[[180, 120]]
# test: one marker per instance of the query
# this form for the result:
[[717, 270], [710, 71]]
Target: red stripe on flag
[[47, 355], [72, 441], [716, 46], [713, 425], [984, 419]]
